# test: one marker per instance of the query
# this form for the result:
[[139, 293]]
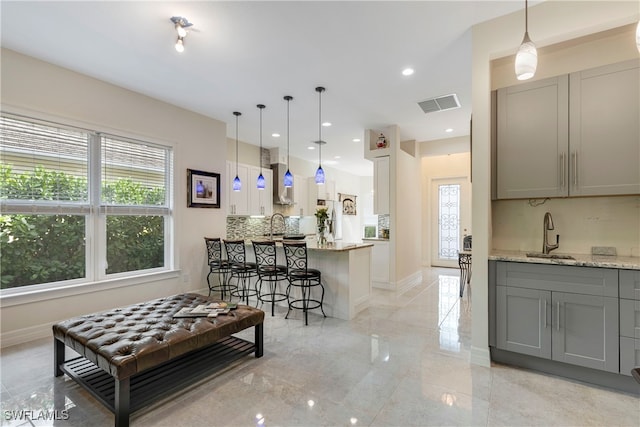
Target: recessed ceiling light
[[448, 130], [311, 148], [356, 139], [275, 135], [326, 124], [331, 162], [407, 71], [336, 157]]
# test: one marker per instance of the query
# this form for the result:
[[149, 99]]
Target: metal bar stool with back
[[241, 270], [302, 278], [218, 266], [269, 272]]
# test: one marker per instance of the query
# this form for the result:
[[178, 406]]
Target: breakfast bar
[[346, 275]]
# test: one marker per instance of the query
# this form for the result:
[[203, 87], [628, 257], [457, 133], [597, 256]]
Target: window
[[449, 221], [80, 206]]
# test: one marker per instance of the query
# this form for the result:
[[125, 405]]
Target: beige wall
[[39, 89], [550, 22]]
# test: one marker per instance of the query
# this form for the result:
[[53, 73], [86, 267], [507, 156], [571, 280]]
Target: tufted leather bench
[[127, 341]]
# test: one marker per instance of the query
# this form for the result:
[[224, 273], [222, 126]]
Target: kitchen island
[[346, 275]]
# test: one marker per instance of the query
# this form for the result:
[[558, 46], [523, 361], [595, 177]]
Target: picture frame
[[203, 189], [348, 204]]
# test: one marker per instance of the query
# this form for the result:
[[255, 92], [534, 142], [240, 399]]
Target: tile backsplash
[[240, 227], [580, 222]]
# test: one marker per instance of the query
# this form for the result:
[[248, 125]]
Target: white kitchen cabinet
[[260, 201], [315, 192], [381, 185], [604, 137], [571, 135], [379, 263], [301, 196], [237, 201], [532, 139]]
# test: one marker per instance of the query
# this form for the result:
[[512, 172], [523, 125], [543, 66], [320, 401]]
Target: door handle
[[545, 314], [558, 316], [575, 169], [562, 170]]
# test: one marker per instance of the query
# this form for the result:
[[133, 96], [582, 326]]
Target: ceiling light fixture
[[237, 184], [448, 130], [320, 142], [288, 178], [407, 71], [181, 24], [527, 56], [260, 183]]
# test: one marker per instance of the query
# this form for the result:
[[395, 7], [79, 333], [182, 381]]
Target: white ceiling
[[245, 53]]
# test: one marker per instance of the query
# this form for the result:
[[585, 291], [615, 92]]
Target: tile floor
[[403, 362]]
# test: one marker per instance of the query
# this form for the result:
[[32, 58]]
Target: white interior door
[[450, 219]]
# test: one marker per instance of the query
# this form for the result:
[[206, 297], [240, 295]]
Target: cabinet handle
[[562, 172], [545, 314], [558, 316], [575, 169]]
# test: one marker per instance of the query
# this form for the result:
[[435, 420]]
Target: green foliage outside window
[[40, 248]]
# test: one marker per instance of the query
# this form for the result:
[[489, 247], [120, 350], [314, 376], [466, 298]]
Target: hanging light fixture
[[181, 24], [237, 184], [320, 142], [288, 178], [527, 56], [260, 183]]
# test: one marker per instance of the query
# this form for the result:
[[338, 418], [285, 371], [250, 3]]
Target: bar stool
[[218, 266], [241, 270], [303, 278], [270, 272], [464, 261]]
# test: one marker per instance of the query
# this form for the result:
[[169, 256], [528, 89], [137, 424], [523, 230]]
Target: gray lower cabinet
[[629, 320], [563, 313]]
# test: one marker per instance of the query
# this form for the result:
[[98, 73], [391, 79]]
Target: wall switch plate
[[603, 250]]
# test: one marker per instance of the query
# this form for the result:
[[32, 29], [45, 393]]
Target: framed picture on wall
[[203, 189]]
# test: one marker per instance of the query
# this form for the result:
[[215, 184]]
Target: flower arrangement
[[321, 216]]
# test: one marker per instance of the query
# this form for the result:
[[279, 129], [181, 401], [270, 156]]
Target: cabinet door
[[380, 264], [605, 130], [523, 321], [301, 196], [585, 330], [381, 185], [260, 200], [532, 139], [238, 201]]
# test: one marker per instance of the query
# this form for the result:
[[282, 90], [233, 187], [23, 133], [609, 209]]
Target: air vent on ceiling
[[441, 103]]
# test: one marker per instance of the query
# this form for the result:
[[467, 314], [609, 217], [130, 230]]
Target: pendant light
[[260, 183], [288, 178], [237, 184], [527, 56], [320, 142]]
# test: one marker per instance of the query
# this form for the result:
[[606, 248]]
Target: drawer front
[[629, 354], [630, 284], [630, 318], [561, 278]]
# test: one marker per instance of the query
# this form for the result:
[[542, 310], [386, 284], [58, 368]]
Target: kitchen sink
[[548, 256]]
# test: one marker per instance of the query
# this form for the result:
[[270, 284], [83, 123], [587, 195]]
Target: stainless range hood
[[281, 194]]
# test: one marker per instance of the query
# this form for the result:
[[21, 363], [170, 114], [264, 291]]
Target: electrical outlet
[[603, 250], [186, 278]]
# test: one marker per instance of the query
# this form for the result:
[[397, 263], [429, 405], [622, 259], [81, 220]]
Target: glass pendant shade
[[526, 59], [638, 36], [320, 176], [237, 185], [260, 183], [288, 179]]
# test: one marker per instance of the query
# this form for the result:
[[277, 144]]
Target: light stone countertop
[[582, 260], [312, 245]]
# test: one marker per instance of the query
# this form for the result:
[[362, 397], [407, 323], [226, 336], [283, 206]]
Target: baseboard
[[20, 336], [480, 356], [409, 282], [383, 285]]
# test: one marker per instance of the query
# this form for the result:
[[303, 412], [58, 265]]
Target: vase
[[321, 235]]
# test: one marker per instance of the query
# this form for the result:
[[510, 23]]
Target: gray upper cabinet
[[572, 135], [605, 130], [532, 139]]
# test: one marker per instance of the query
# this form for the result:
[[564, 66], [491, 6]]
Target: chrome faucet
[[548, 225], [271, 223]]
